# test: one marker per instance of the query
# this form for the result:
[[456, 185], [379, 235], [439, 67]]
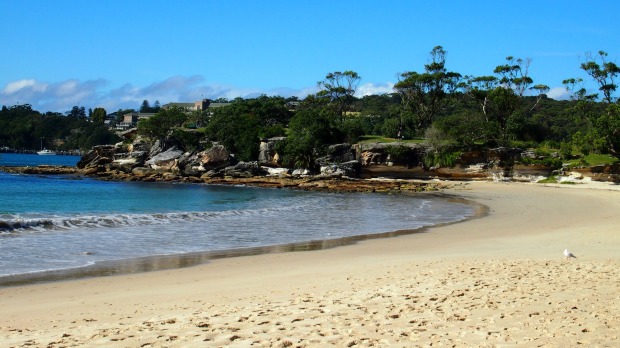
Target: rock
[[142, 172], [214, 156], [99, 155], [267, 153], [165, 161], [244, 170], [301, 172], [350, 169], [277, 171]]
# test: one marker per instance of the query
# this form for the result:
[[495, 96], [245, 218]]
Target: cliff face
[[138, 161]]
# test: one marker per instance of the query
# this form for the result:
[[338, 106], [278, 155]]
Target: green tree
[[604, 73], [501, 98], [99, 115], [311, 130], [339, 88], [238, 132], [77, 112], [145, 107], [425, 95], [603, 125], [160, 126]]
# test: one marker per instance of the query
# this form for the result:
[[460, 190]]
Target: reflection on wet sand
[[163, 262]]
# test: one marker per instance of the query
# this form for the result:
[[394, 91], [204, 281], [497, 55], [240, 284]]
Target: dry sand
[[499, 280]]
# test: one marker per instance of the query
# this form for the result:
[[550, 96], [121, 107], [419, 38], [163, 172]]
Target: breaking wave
[[13, 224]]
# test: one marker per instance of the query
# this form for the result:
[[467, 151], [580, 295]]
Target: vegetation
[[21, 127], [450, 112]]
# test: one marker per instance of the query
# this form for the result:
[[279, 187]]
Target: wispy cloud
[[374, 89], [62, 96], [558, 93]]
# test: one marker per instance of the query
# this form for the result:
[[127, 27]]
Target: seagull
[[568, 254]]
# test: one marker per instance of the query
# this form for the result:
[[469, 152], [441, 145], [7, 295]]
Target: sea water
[[50, 222]]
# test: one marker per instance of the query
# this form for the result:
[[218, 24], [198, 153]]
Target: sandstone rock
[[142, 172], [301, 172], [244, 170], [277, 171], [166, 161], [213, 156], [267, 153]]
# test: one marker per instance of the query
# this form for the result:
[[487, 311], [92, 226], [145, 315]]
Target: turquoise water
[[64, 222]]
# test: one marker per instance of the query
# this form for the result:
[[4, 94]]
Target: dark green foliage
[[310, 132], [161, 125], [442, 159], [547, 161], [240, 125], [187, 139], [98, 116], [237, 132], [21, 127]]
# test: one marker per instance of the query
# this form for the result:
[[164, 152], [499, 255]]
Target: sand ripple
[[488, 303]]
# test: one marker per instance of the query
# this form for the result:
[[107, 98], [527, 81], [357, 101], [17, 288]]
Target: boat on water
[[46, 152]]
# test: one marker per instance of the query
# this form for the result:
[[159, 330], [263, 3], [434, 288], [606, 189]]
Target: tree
[[77, 112], [145, 107], [426, 94], [604, 73], [603, 125], [161, 125], [311, 130], [501, 97], [99, 115], [238, 132], [339, 88]]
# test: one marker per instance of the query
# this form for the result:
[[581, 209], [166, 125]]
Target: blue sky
[[114, 54]]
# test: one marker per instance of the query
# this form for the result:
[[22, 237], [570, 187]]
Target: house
[[131, 119], [195, 106]]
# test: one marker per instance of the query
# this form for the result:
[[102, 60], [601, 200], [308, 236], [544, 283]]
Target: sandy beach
[[500, 280]]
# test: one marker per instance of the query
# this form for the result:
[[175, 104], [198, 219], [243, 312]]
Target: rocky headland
[[353, 168]]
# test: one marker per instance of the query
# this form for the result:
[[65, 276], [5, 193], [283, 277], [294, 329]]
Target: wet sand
[[499, 280]]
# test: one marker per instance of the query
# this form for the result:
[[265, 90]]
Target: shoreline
[[182, 260], [500, 280]]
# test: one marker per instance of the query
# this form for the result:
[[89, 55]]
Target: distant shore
[[500, 280]]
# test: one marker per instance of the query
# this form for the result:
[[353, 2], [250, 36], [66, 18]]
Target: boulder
[[99, 155], [214, 156], [165, 161], [142, 172], [244, 170], [350, 169], [267, 151], [277, 171]]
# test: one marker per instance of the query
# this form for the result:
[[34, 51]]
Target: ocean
[[51, 224]]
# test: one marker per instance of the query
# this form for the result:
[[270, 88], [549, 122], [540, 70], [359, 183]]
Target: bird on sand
[[568, 254]]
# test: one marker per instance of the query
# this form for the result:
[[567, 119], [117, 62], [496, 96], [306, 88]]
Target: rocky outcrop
[[267, 151], [167, 161], [607, 173], [398, 160]]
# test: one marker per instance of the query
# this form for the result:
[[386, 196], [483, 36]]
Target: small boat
[[46, 152]]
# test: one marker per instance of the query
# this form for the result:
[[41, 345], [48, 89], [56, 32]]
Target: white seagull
[[568, 254]]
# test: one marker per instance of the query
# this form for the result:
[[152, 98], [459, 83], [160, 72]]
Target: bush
[[442, 159]]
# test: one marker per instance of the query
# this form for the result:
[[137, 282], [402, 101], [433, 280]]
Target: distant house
[[195, 106], [131, 119]]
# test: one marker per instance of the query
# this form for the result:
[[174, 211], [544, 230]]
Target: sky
[[114, 54]]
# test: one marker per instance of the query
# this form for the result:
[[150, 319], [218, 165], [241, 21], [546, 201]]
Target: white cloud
[[62, 96], [16, 86], [374, 89], [558, 93]]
